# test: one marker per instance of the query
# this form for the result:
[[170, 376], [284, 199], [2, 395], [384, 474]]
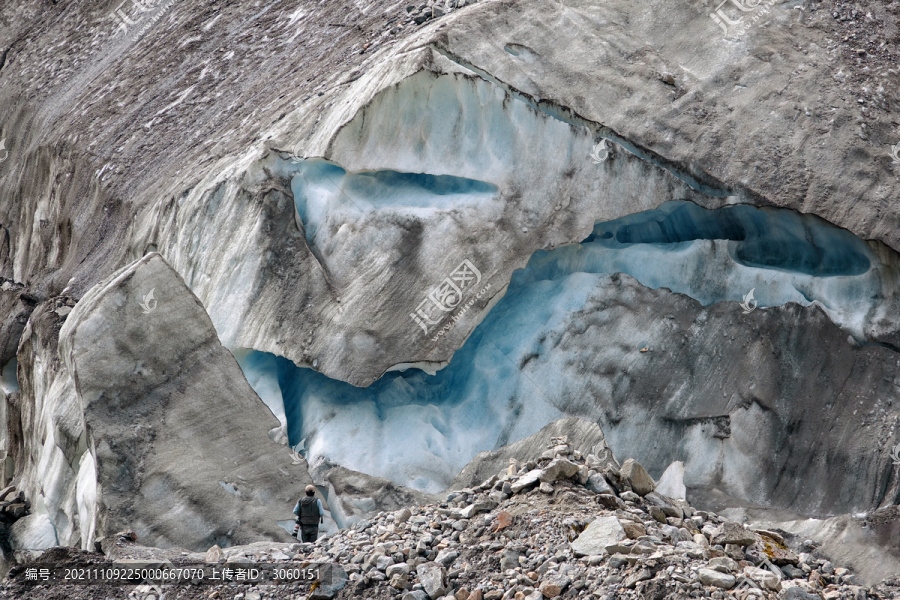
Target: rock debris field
[[563, 526]]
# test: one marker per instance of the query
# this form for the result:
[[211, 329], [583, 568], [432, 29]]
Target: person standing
[[309, 513]]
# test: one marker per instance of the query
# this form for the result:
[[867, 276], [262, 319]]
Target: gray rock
[[597, 483], [478, 507], [402, 515], [528, 480], [763, 577], [637, 477], [796, 593], [600, 533], [792, 572], [715, 578], [433, 578], [383, 562], [397, 569], [446, 557], [559, 468], [723, 564], [510, 559], [415, 595], [732, 533]]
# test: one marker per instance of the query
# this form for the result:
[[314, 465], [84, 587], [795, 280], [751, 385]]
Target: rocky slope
[[554, 527]]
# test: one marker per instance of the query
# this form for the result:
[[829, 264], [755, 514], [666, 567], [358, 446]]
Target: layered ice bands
[[718, 255], [535, 356], [327, 197]]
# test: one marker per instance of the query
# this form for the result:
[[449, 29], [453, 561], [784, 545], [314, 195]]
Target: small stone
[[554, 586], [658, 514], [478, 507], [629, 496], [633, 530], [546, 488], [402, 515], [671, 483], [400, 581], [397, 569], [608, 501], [446, 557], [215, 555], [633, 579]]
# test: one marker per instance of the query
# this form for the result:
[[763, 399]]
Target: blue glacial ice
[[418, 429], [327, 196]]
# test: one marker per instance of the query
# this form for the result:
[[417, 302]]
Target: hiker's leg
[[310, 533]]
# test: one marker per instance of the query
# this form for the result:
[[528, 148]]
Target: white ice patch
[[261, 372], [9, 381]]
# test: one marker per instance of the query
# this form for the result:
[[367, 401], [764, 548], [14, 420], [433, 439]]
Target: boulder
[[600, 533], [597, 483], [723, 564], [559, 468], [716, 578], [732, 533], [637, 477], [433, 578], [528, 480]]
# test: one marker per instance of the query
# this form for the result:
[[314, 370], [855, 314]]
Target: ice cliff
[[447, 234]]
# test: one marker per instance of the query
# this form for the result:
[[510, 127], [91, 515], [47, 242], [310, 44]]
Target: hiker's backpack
[[309, 511]]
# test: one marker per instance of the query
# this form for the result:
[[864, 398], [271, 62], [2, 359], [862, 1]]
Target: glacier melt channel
[[418, 429]]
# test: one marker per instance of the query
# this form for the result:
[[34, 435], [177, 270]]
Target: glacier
[[419, 429]]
